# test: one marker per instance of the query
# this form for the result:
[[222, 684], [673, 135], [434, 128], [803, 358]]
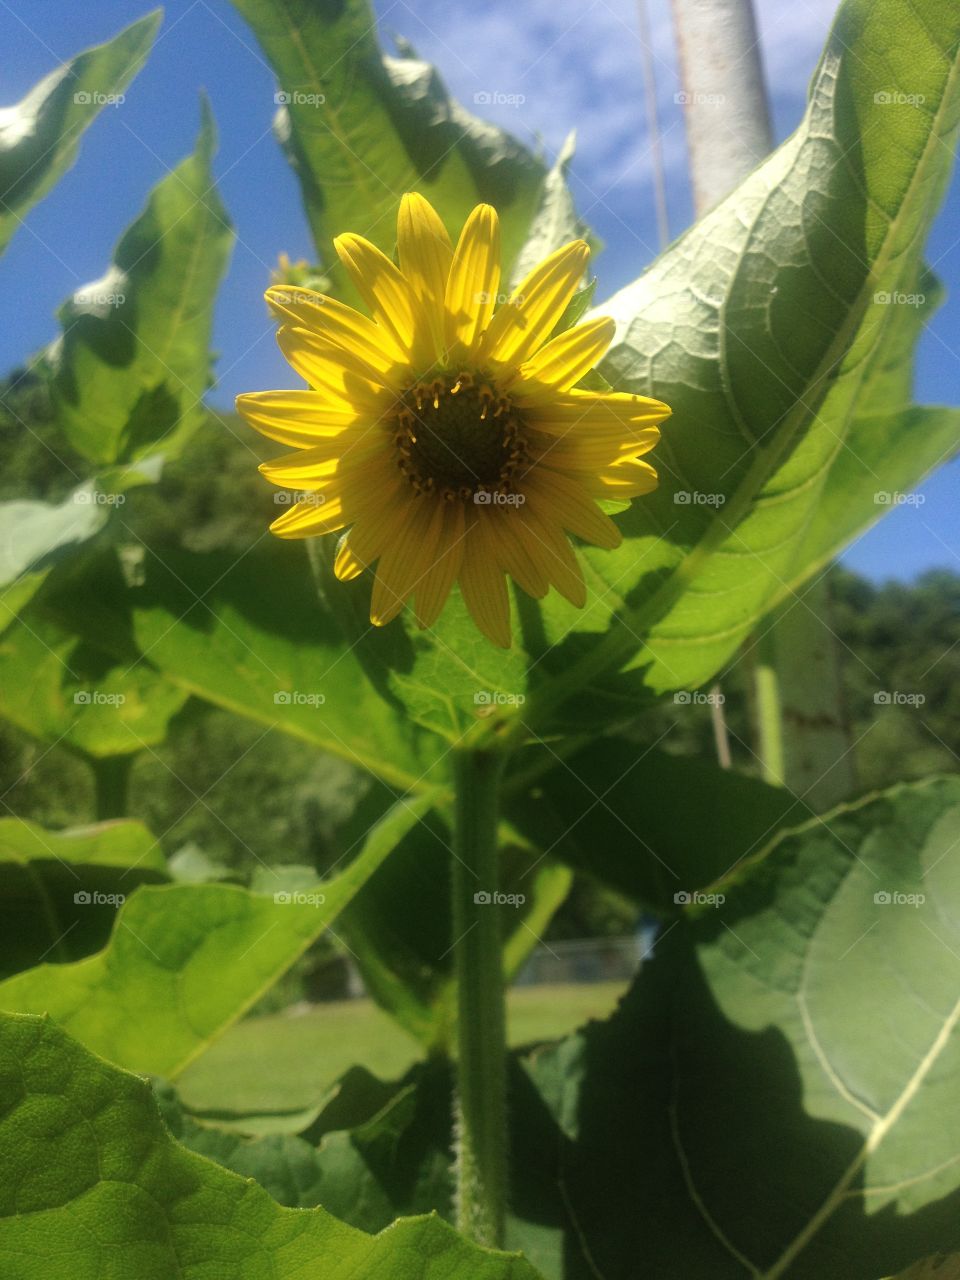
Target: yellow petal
[[513, 553], [482, 582], [297, 418], [425, 254], [435, 585], [550, 550], [592, 412], [377, 528], [382, 287], [563, 361], [344, 327], [630, 479], [589, 451], [525, 322], [346, 566], [570, 506], [310, 516], [322, 460], [472, 285], [332, 370], [405, 562]]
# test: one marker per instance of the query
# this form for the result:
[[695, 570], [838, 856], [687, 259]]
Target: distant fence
[[586, 960], [583, 960]]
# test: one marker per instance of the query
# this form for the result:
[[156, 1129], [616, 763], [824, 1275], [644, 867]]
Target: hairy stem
[[481, 1114]]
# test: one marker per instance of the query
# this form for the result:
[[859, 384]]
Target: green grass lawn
[[286, 1062]]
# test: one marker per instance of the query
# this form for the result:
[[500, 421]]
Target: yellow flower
[[445, 433]]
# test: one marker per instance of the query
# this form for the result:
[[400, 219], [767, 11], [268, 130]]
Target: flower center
[[456, 436]]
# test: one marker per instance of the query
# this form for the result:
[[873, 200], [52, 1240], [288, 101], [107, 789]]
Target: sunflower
[[445, 432]]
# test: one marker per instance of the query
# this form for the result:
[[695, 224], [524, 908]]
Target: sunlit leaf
[[774, 1097], [185, 961], [39, 136], [134, 361], [123, 1199], [360, 129], [61, 889]]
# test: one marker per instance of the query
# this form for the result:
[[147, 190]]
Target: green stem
[[481, 1118], [766, 690], [111, 776]]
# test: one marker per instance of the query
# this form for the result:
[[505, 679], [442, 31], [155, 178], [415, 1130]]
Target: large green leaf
[[761, 327], [185, 961], [61, 889], [31, 533], [93, 1186], [776, 1095], [64, 690], [891, 443], [361, 129], [134, 361], [652, 825], [392, 1161], [248, 634], [39, 136]]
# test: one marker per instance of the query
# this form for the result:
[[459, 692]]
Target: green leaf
[[93, 1186], [134, 363], [392, 1162], [248, 634], [361, 129], [892, 443], [185, 961], [64, 690], [649, 824], [761, 328], [445, 679], [555, 222], [935, 1268], [803, 1028], [61, 889], [30, 535], [40, 135], [284, 1165]]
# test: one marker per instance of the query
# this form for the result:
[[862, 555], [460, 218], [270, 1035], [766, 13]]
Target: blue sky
[[548, 67]]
